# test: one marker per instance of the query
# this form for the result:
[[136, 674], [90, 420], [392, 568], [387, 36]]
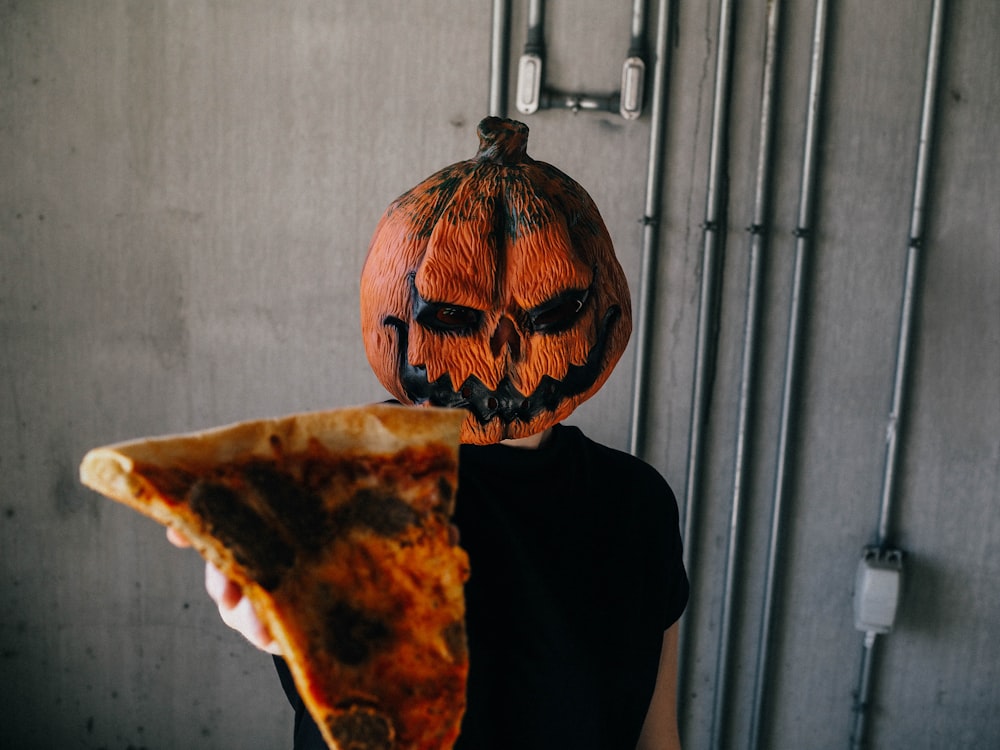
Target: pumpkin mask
[[493, 286]]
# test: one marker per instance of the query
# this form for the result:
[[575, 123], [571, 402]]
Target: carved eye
[[559, 313], [454, 317], [444, 317]]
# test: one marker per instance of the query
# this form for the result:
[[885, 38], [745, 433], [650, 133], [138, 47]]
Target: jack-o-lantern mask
[[493, 286]]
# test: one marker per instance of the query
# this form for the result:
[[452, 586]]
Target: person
[[577, 579]]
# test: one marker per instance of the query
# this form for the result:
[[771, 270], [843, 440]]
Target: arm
[[659, 730]]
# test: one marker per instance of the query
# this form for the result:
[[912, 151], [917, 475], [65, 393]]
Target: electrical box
[[877, 589]]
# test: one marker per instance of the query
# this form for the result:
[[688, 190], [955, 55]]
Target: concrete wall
[[187, 190]]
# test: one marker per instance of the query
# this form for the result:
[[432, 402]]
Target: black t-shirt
[[576, 573]]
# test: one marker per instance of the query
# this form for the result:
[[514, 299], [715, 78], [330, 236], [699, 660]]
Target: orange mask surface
[[493, 286]]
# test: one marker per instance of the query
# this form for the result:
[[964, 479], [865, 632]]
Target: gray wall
[[187, 193]]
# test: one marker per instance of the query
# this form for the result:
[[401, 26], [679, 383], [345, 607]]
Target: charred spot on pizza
[[362, 728], [171, 483], [380, 512], [254, 544], [447, 503], [276, 444], [296, 508], [454, 640], [353, 635]]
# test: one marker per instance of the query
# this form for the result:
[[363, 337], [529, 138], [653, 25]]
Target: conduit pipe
[[705, 341], [532, 93], [758, 236], [499, 57], [803, 236], [907, 314], [914, 246], [709, 278], [715, 217], [650, 227]]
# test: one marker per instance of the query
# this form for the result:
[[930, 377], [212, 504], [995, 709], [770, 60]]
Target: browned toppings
[[297, 509], [454, 639], [376, 511], [447, 493], [254, 544], [362, 729], [352, 635]]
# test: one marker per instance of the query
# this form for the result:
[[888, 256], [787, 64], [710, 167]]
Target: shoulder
[[625, 466], [620, 475]]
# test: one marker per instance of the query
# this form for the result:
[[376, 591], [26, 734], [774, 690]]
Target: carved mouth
[[506, 402]]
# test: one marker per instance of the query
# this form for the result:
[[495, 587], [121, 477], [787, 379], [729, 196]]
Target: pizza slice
[[337, 525]]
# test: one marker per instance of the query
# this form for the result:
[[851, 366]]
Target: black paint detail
[[423, 205], [377, 511], [300, 511], [254, 543], [506, 402], [353, 635], [362, 728]]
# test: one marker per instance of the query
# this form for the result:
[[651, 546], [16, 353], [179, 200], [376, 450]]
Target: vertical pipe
[[715, 227], [792, 356], [748, 369], [650, 228], [709, 272], [535, 41], [705, 340], [901, 375], [863, 692], [499, 51], [760, 220], [633, 82], [912, 268], [638, 26], [531, 65]]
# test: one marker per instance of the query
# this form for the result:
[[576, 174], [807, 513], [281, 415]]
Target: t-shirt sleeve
[[668, 556], [657, 525]]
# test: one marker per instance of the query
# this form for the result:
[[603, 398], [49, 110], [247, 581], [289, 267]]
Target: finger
[[243, 619], [224, 592], [176, 538]]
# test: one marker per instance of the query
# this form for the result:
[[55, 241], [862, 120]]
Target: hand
[[235, 609]]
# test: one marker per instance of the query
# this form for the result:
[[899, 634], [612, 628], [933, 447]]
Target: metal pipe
[[714, 234], [499, 46], [555, 99], [803, 233], [706, 307], [705, 340], [650, 227], [864, 692], [758, 237], [634, 68], [912, 267], [533, 95], [535, 41], [907, 315], [530, 67], [638, 27]]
